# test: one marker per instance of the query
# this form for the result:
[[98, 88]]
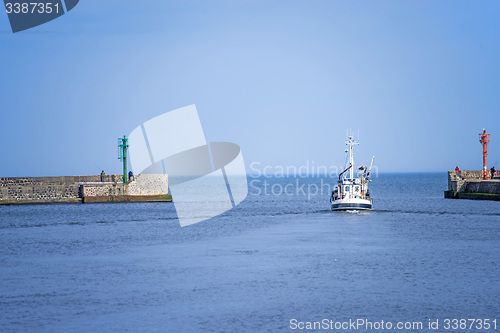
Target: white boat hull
[[352, 204]]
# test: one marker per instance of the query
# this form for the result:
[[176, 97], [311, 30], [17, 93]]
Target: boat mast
[[351, 142]]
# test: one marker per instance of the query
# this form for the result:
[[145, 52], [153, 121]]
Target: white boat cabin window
[[346, 188]]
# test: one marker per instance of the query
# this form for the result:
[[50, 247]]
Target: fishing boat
[[351, 191]]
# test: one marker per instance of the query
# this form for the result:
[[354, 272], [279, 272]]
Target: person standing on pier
[[492, 172]]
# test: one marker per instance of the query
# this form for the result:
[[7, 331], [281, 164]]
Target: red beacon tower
[[484, 138]]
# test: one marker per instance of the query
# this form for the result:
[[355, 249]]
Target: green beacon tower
[[122, 155]]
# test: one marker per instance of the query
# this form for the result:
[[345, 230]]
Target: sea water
[[278, 262]]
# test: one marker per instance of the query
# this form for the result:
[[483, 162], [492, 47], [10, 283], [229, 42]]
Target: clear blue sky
[[283, 79]]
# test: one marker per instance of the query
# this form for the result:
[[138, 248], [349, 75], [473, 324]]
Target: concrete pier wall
[[485, 186], [455, 183], [68, 189], [18, 193], [469, 184]]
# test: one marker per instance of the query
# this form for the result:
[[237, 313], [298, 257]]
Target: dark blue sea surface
[[279, 256]]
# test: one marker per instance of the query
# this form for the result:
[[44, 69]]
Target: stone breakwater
[[75, 189], [469, 184]]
